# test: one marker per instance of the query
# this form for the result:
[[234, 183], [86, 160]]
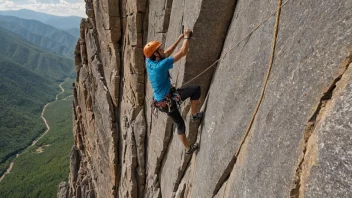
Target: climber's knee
[[196, 94], [181, 128], [178, 120]]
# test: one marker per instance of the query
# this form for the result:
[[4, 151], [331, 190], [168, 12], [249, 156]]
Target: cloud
[[7, 4], [61, 8], [64, 2]]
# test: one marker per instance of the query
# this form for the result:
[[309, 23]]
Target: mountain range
[[24, 53], [45, 36], [69, 23], [28, 79]]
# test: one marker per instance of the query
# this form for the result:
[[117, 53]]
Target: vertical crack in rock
[[110, 107], [232, 163], [145, 109], [131, 108], [136, 165], [167, 8], [95, 120], [142, 122], [224, 177], [119, 145], [310, 127], [120, 119], [139, 129], [119, 149], [168, 138], [182, 170], [156, 26], [197, 16]]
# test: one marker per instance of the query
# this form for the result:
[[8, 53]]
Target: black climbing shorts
[[192, 92]]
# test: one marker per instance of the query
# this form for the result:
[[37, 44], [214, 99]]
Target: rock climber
[[166, 97]]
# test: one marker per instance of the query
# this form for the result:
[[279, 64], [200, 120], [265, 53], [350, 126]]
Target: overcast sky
[[54, 7]]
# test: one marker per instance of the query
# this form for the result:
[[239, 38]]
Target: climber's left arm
[[172, 48]]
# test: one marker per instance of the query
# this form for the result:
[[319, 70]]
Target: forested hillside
[[29, 78], [22, 95], [74, 32], [38, 170], [45, 36], [24, 53]]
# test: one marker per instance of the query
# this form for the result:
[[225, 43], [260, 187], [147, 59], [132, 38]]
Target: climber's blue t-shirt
[[158, 72]]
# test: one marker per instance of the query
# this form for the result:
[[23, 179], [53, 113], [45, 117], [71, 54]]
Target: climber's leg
[[181, 128], [193, 92], [180, 125]]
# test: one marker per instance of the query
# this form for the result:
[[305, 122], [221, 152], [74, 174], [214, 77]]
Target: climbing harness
[[266, 79], [165, 105], [278, 11]]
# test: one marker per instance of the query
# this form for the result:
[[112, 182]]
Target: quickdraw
[[177, 98]]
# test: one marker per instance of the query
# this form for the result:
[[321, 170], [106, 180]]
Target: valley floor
[[38, 170]]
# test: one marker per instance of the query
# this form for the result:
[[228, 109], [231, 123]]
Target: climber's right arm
[[184, 48]]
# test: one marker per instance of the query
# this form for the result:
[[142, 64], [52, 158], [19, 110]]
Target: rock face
[[63, 190], [298, 144]]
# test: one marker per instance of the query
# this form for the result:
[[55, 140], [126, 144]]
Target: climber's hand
[[187, 33], [180, 37]]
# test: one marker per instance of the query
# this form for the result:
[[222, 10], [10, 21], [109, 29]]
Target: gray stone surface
[[103, 137], [122, 151], [233, 95], [108, 34], [307, 60], [131, 107], [157, 145], [209, 21], [74, 167], [128, 181], [140, 133], [221, 192], [159, 128], [158, 19], [209, 35], [174, 164], [187, 181], [327, 165], [63, 190], [95, 125]]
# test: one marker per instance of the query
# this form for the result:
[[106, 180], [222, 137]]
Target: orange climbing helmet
[[150, 48]]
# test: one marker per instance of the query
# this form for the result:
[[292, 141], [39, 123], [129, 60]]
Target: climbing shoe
[[197, 116], [192, 148]]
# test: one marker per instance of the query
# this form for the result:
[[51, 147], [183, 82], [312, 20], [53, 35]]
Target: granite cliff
[[277, 101]]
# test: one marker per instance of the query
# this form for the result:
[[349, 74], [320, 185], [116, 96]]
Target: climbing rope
[[278, 11], [280, 5], [266, 78], [244, 38]]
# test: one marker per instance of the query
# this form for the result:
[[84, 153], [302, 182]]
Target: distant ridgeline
[[29, 78], [45, 36], [69, 24]]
